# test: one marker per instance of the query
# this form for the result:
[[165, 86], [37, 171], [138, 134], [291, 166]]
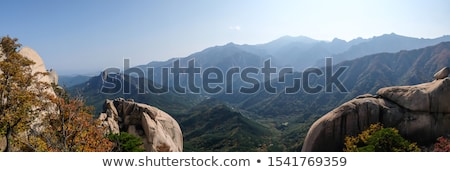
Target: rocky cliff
[[421, 113], [157, 129]]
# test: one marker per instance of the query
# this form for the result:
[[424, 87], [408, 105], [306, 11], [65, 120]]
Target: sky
[[88, 36]]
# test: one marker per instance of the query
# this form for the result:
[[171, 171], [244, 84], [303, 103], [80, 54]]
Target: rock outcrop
[[421, 113], [39, 66], [157, 129], [443, 73]]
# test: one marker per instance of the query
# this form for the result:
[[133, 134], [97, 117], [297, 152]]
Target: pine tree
[[125, 142]]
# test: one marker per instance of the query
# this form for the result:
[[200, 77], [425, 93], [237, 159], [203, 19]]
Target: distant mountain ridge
[[388, 43], [128, 87], [69, 81], [297, 52], [363, 75]]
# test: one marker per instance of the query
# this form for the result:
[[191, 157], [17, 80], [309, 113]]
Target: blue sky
[[87, 36]]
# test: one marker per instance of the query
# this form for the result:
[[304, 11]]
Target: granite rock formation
[[443, 73], [421, 113], [39, 66], [157, 129]]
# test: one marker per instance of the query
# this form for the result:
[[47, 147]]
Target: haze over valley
[[278, 119], [225, 76]]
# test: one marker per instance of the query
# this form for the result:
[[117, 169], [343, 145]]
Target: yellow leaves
[[38, 144], [16, 99], [62, 124], [366, 133], [377, 138], [73, 128], [350, 145]]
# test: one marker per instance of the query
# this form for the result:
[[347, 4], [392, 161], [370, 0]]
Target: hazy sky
[[83, 36]]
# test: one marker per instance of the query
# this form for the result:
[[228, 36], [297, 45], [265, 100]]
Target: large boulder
[[428, 97], [157, 129], [39, 66], [421, 113]]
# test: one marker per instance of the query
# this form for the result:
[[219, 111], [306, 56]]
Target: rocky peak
[[39, 65]]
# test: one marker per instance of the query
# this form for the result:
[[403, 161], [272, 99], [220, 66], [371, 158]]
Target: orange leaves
[[74, 129]]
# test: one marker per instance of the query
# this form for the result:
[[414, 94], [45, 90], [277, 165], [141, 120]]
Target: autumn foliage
[[70, 128], [34, 119], [17, 98], [379, 139], [442, 145]]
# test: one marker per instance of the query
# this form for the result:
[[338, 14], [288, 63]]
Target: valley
[[271, 121]]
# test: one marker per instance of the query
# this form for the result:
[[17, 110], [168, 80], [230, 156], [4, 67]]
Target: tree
[[379, 139], [18, 95], [70, 127], [35, 118], [125, 142]]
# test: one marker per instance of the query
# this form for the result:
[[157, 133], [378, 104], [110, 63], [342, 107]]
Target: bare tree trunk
[[8, 140]]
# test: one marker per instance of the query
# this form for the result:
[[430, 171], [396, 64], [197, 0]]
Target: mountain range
[[362, 75], [297, 52], [276, 121]]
